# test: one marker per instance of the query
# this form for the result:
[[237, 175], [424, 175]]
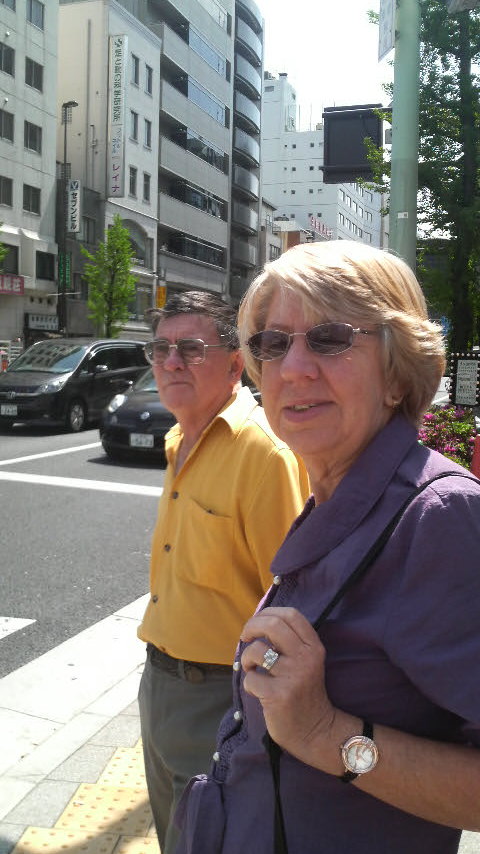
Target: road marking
[[80, 483], [8, 625], [49, 454]]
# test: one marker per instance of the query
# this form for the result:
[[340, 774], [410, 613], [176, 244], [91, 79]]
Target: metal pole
[[404, 162], [64, 231]]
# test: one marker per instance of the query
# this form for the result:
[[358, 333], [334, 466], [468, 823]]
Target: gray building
[[292, 176], [28, 107]]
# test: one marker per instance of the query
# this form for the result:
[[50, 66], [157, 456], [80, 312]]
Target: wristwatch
[[359, 754]]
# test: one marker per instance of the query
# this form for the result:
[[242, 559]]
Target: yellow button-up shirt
[[221, 519]]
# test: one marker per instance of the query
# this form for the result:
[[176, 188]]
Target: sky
[[328, 49]]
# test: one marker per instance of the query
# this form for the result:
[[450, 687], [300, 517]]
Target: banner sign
[[48, 322], [11, 284], [116, 117], [74, 213]]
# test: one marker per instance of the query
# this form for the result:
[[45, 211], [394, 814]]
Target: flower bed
[[450, 430]]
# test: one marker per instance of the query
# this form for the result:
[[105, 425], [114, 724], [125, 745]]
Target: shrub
[[450, 430]]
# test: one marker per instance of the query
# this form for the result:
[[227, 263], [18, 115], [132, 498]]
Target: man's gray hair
[[210, 305]]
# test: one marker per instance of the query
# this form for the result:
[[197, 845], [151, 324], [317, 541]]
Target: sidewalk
[[71, 765]]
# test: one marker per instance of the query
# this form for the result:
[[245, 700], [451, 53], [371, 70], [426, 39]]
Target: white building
[[87, 52], [28, 108], [292, 176]]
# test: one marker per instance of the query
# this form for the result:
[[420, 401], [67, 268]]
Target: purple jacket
[[403, 649]]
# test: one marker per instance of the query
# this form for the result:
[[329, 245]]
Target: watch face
[[359, 754]]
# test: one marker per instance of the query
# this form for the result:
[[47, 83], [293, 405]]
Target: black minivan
[[68, 381]]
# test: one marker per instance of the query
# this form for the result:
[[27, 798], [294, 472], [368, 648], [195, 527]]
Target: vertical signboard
[[74, 213], [116, 116], [386, 30], [465, 379]]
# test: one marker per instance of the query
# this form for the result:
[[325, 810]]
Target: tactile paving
[[125, 769], [40, 839], [109, 809], [137, 845]]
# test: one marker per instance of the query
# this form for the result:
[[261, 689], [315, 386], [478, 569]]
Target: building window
[[33, 74], [7, 59], [10, 261], [211, 105], [269, 88], [148, 79], [134, 125], [9, 3], [88, 232], [207, 53], [31, 199], [311, 168], [146, 187], [36, 13], [294, 168], [45, 266], [148, 133], [132, 187], [292, 192], [33, 137], [6, 191], [312, 144], [6, 125], [294, 145], [135, 70]]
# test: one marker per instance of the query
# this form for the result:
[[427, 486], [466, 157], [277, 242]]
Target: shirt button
[[216, 756], [167, 547], [238, 715], [236, 666], [174, 494], [277, 579], [155, 598]]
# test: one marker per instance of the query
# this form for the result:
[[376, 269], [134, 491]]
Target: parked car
[[135, 423], [67, 381]]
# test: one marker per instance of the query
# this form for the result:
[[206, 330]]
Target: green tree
[[449, 161], [111, 285]]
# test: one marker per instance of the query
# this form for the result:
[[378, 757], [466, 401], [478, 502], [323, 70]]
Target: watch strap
[[348, 776]]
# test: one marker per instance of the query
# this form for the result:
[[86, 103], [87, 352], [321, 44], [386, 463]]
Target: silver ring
[[269, 659]]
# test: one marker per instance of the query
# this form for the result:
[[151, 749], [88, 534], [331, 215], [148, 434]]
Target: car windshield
[[146, 382], [50, 357]]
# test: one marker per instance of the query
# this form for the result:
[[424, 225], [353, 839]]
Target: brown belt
[[191, 671]]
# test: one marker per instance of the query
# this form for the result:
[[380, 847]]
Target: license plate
[[141, 440], [8, 409]]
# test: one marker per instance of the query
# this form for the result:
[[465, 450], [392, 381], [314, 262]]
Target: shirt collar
[[324, 526]]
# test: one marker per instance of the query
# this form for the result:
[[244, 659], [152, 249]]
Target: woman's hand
[[296, 707]]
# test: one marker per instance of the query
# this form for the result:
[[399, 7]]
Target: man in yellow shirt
[[231, 491]]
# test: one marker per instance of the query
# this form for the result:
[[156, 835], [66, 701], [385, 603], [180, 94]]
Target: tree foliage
[[449, 166], [3, 250], [111, 286]]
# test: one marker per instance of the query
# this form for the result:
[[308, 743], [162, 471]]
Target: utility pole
[[404, 158], [62, 297]]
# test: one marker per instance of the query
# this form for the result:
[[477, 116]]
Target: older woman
[[373, 721]]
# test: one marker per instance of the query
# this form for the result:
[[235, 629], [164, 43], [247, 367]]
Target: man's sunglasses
[[328, 339], [192, 351]]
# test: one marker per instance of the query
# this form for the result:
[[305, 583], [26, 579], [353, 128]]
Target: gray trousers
[[179, 722]]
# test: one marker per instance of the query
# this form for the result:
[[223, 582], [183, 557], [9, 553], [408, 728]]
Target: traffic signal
[[344, 150]]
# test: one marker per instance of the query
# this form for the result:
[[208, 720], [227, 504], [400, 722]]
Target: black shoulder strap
[[272, 748]]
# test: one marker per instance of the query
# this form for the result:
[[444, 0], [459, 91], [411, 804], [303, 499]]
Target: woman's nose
[[299, 360]]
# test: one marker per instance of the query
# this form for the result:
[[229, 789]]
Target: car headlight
[[116, 402], [52, 385]]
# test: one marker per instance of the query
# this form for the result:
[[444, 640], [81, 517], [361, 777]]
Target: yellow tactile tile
[[108, 809], [40, 839], [125, 769], [137, 845]]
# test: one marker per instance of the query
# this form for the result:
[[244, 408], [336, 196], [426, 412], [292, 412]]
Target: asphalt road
[[75, 534]]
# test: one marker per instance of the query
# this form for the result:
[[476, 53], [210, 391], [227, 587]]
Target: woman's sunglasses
[[328, 339]]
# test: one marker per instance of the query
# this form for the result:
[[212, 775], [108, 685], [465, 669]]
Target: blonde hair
[[345, 280]]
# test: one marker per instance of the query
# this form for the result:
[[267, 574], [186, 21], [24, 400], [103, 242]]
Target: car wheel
[[76, 417]]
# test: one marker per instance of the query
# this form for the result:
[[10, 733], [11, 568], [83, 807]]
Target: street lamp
[[62, 302]]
